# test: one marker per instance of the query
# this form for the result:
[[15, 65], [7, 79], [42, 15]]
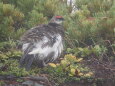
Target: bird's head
[[57, 19]]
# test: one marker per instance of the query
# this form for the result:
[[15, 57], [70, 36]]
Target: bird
[[42, 44]]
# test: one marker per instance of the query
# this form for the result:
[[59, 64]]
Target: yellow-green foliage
[[11, 67], [68, 69], [8, 50], [71, 66], [86, 52], [10, 54]]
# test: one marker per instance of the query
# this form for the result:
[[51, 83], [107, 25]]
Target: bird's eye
[[59, 19]]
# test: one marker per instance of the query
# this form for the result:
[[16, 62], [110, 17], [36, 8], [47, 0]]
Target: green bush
[[35, 18], [9, 19], [95, 6]]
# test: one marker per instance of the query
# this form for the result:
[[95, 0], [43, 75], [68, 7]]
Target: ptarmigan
[[43, 44]]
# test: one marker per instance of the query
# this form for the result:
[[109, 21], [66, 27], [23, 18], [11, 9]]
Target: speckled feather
[[37, 33], [42, 44]]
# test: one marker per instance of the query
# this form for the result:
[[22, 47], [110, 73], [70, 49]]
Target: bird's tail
[[26, 61]]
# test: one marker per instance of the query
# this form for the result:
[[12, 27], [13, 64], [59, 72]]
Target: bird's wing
[[38, 38], [44, 47]]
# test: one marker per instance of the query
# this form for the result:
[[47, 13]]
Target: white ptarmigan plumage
[[42, 44]]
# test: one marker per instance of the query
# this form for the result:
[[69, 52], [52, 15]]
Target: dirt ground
[[104, 76]]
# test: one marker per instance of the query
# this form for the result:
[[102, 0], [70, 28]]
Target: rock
[[31, 83]]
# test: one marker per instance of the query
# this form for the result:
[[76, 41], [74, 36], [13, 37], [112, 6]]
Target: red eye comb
[[58, 16]]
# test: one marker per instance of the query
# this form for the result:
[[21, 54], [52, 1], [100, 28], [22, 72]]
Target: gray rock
[[31, 83]]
